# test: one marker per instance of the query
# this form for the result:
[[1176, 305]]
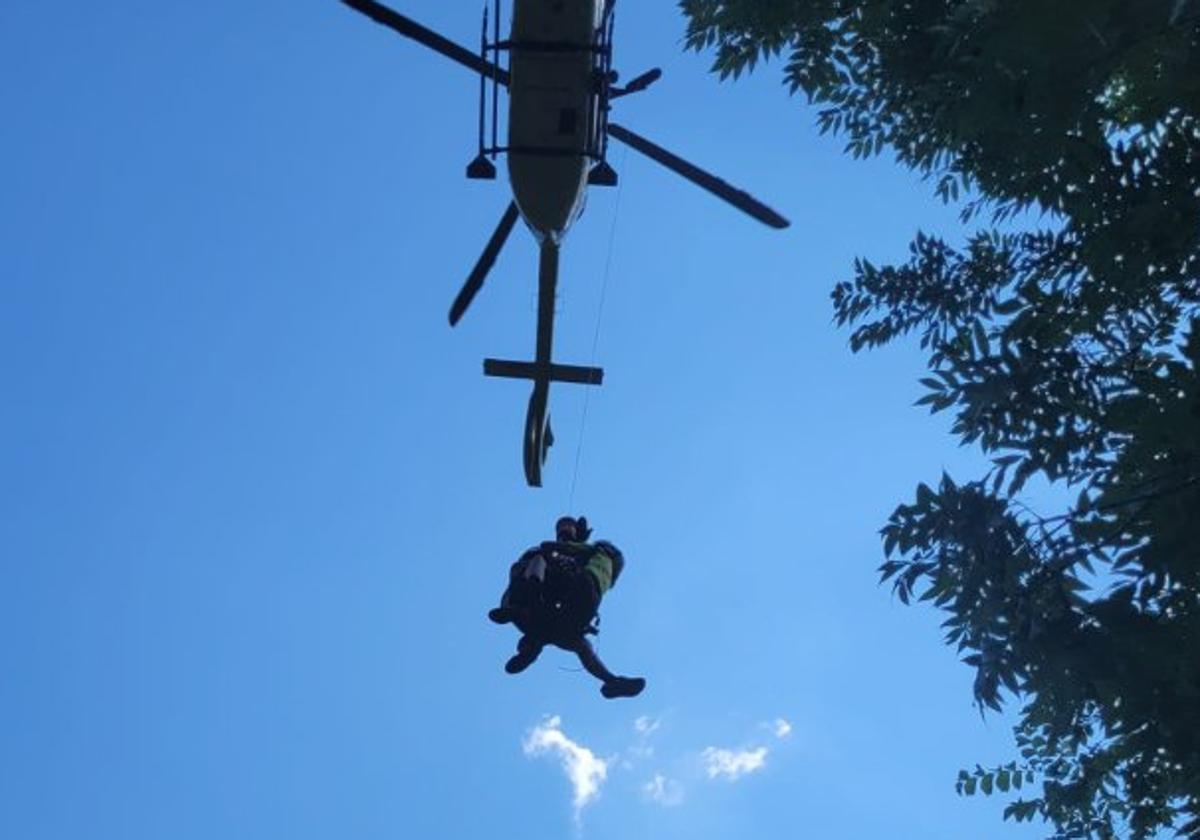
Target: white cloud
[[733, 765], [645, 725], [782, 728], [664, 791], [638, 752], [585, 771]]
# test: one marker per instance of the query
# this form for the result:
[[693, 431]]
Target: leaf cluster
[[1064, 337]]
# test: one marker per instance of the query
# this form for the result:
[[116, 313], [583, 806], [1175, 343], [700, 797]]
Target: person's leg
[[591, 663], [611, 685], [528, 650]]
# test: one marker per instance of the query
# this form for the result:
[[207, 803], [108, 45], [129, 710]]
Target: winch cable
[[587, 394]]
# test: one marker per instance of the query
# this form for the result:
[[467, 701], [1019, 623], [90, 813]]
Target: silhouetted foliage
[[1071, 351]]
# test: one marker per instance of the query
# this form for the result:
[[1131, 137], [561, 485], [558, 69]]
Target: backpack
[[559, 597]]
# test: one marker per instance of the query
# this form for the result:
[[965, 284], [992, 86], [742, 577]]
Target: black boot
[[623, 687], [527, 653], [502, 615]]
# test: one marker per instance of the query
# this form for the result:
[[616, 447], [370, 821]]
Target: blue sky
[[258, 497]]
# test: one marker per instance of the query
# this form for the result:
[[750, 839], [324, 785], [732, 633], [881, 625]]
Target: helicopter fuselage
[[553, 110], [560, 83]]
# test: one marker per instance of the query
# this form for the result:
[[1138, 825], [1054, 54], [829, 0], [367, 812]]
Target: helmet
[[570, 529]]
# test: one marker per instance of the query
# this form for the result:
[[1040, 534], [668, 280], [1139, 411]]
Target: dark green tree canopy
[[1067, 348]]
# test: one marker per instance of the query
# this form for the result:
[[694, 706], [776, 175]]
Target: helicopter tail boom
[[542, 371]]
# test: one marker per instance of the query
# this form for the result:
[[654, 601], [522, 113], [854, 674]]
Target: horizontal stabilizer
[[543, 373]]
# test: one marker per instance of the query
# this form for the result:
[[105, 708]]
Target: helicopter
[[560, 85]]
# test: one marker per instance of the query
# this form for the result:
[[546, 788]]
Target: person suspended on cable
[[554, 591]]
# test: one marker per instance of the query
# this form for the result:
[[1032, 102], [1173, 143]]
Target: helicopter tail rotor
[[538, 437]]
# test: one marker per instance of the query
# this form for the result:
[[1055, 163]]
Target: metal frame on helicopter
[[560, 84]]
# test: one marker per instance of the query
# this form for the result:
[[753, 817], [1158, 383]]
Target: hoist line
[[587, 394]]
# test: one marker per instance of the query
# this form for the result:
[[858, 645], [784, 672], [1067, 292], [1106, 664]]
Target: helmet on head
[[570, 529]]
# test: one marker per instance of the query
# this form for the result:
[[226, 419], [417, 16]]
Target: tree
[[1067, 348]]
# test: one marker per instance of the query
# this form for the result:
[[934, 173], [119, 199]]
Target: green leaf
[[889, 543], [925, 496], [981, 340], [1064, 335]]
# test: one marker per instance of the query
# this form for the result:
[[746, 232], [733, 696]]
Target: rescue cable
[[587, 394]]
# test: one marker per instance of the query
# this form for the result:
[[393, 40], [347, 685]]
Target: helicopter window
[[568, 120]]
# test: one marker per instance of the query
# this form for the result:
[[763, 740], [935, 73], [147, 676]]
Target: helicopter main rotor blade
[[410, 28], [486, 260], [738, 198]]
